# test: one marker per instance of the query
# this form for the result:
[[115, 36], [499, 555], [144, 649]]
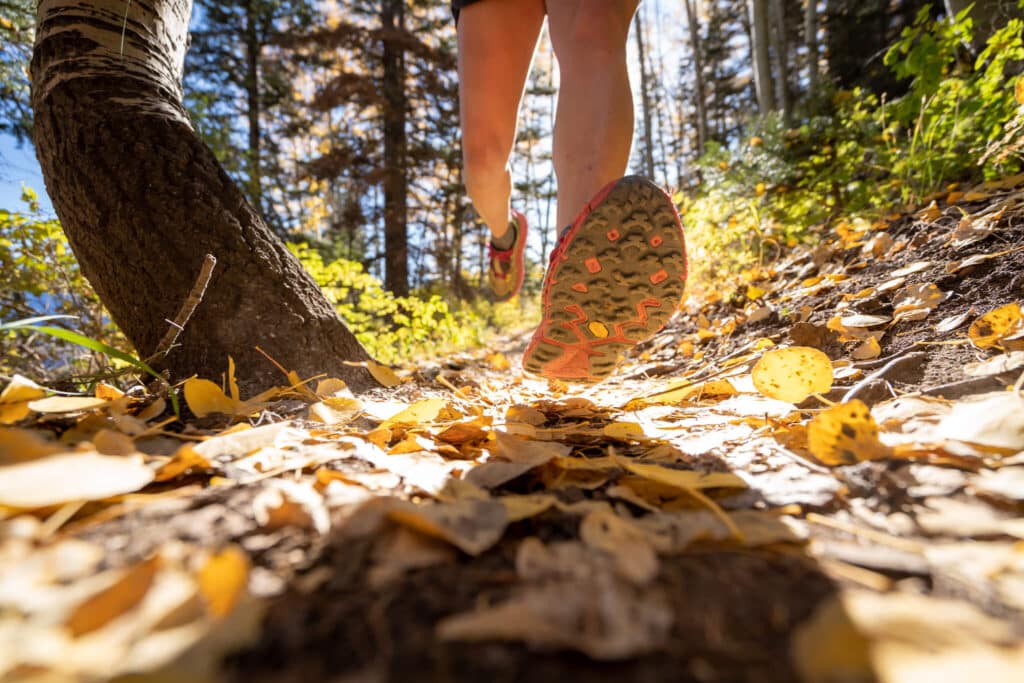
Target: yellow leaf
[[66, 404], [15, 398], [759, 189], [330, 387], [232, 382], [110, 603], [1018, 90], [472, 525], [186, 458], [223, 580], [203, 398], [383, 374], [845, 434], [20, 445], [335, 410], [109, 442], [624, 431], [71, 477], [498, 361], [466, 431], [422, 411], [793, 373], [867, 349], [990, 329], [684, 479], [755, 292], [105, 391]]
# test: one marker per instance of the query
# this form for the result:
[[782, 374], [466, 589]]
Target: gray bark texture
[[759, 40], [143, 200]]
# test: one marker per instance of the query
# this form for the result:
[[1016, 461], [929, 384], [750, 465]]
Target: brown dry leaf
[[954, 321], [628, 545], [402, 550], [512, 457], [845, 434], [972, 229], [110, 603], [15, 398], [915, 302], [519, 507], [993, 327], [185, 459], [109, 442], [335, 410], [288, 503], [67, 477], [21, 445], [867, 349], [682, 390], [910, 269], [793, 373], [472, 525], [992, 421], [526, 415], [223, 579], [997, 365], [467, 431], [930, 213], [879, 245], [604, 618]]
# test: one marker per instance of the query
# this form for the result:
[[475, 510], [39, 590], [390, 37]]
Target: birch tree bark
[[700, 96], [143, 200]]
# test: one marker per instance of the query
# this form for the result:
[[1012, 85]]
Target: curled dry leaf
[[915, 267], [792, 374], [867, 349], [915, 302], [993, 421], [994, 327], [954, 321], [336, 410], [845, 434], [66, 477], [16, 396]]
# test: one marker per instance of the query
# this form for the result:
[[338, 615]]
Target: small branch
[[188, 307]]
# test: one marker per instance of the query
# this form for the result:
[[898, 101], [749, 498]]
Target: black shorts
[[457, 6]]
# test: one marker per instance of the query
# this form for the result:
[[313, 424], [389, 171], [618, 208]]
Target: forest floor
[[673, 523]]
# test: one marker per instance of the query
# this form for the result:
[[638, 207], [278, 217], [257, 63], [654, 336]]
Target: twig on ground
[[908, 360], [188, 307]]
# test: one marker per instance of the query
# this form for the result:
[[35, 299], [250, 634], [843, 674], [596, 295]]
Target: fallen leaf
[[284, 504], [993, 327], [634, 556], [498, 361], [867, 349], [16, 396], [121, 596], [109, 442], [67, 404], [512, 457], [965, 518], [66, 477], [471, 525], [684, 479], [203, 398], [336, 410], [402, 550], [992, 420], [223, 579], [383, 374], [930, 213], [997, 365], [185, 459], [845, 434], [792, 374], [418, 413], [915, 267], [20, 445], [954, 321], [915, 302]]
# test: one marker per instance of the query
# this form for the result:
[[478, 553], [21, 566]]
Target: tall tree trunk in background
[[142, 200], [811, 37], [252, 91], [396, 240], [759, 55], [645, 94], [780, 46], [699, 96]]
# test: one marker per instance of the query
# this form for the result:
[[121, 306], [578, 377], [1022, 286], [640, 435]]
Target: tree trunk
[[811, 37], [645, 95], [396, 240], [252, 91], [781, 48], [759, 55], [698, 77], [142, 200]]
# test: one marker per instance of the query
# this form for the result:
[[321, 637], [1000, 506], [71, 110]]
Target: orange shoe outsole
[[615, 279]]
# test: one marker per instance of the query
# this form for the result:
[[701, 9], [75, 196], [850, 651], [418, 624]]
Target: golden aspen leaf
[[204, 397], [684, 479], [15, 398], [466, 431], [990, 329], [472, 525], [845, 434], [21, 445], [107, 392], [383, 374], [930, 213], [223, 580], [915, 302], [331, 387], [69, 477], [425, 410], [624, 431], [127, 592], [67, 404], [793, 373], [336, 410], [755, 292], [185, 458], [109, 442], [498, 361]]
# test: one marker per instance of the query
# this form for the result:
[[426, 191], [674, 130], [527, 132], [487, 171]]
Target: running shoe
[[507, 270], [616, 276]]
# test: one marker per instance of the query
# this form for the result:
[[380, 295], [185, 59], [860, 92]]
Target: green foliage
[[40, 276], [17, 30], [864, 154], [391, 328]]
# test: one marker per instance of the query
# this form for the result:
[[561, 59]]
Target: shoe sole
[[617, 281]]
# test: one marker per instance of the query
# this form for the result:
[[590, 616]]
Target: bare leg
[[594, 121], [497, 39]]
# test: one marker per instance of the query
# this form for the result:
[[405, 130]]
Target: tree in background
[[17, 20]]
